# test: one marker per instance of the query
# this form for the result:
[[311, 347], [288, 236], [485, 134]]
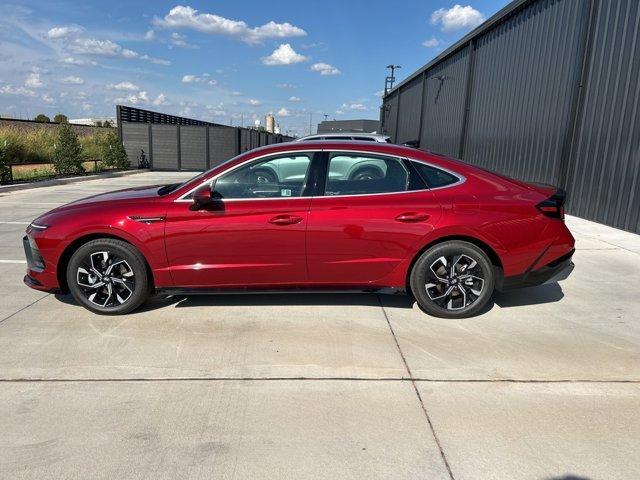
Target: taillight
[[553, 206]]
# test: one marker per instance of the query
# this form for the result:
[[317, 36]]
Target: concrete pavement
[[546, 384]]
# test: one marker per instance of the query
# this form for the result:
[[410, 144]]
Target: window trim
[[374, 156], [311, 153], [315, 193]]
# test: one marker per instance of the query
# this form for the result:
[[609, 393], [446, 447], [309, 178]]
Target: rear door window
[[362, 174]]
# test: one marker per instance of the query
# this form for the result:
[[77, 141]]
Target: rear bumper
[[554, 271]]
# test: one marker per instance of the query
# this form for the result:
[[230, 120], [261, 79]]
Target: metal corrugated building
[[545, 90]]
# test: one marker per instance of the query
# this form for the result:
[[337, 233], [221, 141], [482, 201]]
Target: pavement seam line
[[298, 379], [415, 388], [24, 308]]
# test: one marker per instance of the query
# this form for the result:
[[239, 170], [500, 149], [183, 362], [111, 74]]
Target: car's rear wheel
[[108, 276], [453, 279]]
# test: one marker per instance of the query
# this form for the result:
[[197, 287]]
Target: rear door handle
[[409, 217], [285, 220]]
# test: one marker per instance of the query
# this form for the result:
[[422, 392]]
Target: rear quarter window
[[434, 177]]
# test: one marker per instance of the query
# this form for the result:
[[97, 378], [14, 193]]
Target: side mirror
[[412, 143], [203, 196]]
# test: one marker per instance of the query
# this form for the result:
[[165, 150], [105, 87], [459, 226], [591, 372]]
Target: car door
[[374, 211], [252, 235]]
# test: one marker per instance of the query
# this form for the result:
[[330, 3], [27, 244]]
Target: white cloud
[[379, 93], [160, 100], [150, 35], [180, 41], [254, 102], [339, 112], [293, 98], [283, 112], [33, 80], [124, 87], [157, 61], [286, 85], [78, 61], [431, 43], [325, 69], [20, 91], [64, 32], [87, 106], [47, 98], [187, 17], [457, 18], [81, 45], [196, 79], [71, 80], [283, 55], [236, 94], [353, 106]]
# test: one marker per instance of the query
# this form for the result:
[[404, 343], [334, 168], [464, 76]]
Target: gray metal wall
[[193, 148], [443, 105], [135, 139], [546, 91], [604, 176], [164, 147], [408, 126], [223, 144], [189, 147]]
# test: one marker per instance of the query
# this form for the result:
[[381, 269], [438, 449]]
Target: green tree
[[107, 123], [60, 118], [113, 153], [41, 117], [67, 156]]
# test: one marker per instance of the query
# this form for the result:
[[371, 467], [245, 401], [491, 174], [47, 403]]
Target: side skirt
[[168, 291]]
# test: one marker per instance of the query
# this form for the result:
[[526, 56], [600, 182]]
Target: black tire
[[366, 173], [111, 285], [263, 176], [445, 293]]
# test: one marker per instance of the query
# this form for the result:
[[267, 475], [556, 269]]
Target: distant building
[[93, 121], [356, 126], [270, 123]]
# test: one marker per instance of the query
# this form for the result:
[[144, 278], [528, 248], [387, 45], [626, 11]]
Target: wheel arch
[[484, 246], [63, 261]]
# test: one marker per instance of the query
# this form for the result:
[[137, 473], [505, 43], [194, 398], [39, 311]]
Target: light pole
[[388, 81]]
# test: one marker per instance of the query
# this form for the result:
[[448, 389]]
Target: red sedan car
[[337, 215]]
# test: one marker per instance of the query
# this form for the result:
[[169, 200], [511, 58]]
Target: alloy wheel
[[454, 282], [105, 279]]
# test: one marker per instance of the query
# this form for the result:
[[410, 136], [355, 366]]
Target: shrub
[[67, 156], [41, 117], [114, 154], [60, 118], [4, 160]]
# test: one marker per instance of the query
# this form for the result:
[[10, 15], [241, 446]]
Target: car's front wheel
[[453, 279], [108, 276]]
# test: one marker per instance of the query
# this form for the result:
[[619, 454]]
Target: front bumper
[[554, 271], [38, 276]]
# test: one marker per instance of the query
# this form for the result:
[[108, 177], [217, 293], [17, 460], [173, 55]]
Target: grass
[[37, 146], [32, 173]]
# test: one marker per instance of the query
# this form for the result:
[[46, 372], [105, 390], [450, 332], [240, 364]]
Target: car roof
[[378, 136]]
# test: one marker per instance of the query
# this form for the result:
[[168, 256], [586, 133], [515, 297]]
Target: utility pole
[[241, 119], [310, 122], [388, 81]]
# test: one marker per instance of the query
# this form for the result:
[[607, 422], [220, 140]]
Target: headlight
[[38, 226]]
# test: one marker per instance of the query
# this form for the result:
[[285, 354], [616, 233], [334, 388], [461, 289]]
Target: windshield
[[167, 189]]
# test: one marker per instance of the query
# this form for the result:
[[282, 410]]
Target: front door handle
[[412, 217], [285, 220]]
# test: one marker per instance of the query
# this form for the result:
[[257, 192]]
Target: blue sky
[[219, 61]]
